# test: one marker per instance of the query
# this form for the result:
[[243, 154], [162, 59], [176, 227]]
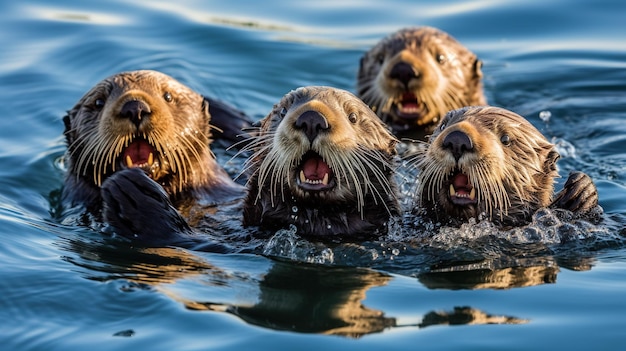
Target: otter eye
[[167, 96], [441, 58], [283, 112], [352, 117], [505, 139], [99, 103]]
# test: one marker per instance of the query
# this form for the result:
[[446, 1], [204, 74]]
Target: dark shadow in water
[[290, 296]]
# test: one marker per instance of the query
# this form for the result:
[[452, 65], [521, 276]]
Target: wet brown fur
[[447, 76], [358, 149], [511, 166], [177, 127]]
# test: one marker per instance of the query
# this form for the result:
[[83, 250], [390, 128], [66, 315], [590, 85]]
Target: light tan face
[[416, 75], [140, 119], [487, 160], [321, 143]]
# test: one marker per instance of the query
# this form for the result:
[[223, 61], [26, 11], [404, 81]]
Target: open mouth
[[139, 154], [461, 191], [409, 107], [314, 174]]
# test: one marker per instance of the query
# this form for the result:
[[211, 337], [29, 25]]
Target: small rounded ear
[[478, 65], [551, 158], [70, 134], [205, 110]]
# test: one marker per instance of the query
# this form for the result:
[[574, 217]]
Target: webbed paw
[[579, 194], [138, 208]]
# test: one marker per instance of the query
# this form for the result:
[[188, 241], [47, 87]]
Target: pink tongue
[[138, 151], [315, 168], [461, 183], [409, 101]]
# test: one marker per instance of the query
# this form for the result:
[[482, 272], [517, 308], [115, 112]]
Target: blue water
[[67, 287]]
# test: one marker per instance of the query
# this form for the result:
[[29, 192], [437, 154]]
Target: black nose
[[403, 72], [136, 111], [311, 123], [458, 142]]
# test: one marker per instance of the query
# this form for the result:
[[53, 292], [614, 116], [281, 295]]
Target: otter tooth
[[452, 191], [302, 177], [472, 194], [325, 180], [129, 161], [150, 159]]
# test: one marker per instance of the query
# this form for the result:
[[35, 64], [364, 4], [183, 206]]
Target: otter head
[[321, 160], [142, 119], [486, 160], [414, 76]]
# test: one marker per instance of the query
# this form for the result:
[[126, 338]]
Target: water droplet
[[294, 209], [328, 226], [395, 252], [564, 147], [545, 115]]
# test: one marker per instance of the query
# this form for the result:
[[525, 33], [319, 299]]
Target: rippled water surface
[[562, 64]]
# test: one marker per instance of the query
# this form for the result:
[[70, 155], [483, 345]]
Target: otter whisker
[[347, 181], [413, 160], [193, 143], [83, 147], [253, 162], [376, 170], [379, 176], [268, 166], [99, 150], [345, 168]]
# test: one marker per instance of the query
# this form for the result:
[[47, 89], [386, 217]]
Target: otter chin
[[488, 162], [322, 161], [141, 120], [414, 76]]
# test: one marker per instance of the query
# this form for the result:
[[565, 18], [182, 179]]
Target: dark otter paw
[[579, 194], [138, 208]]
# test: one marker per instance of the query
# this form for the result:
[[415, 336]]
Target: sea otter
[[322, 161], [138, 148], [488, 161], [414, 76]]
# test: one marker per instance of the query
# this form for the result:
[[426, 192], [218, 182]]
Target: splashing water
[[545, 116]]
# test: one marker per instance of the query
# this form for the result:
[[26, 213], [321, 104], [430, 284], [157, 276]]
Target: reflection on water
[[283, 295], [466, 315], [116, 260], [505, 278], [307, 299], [65, 287]]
